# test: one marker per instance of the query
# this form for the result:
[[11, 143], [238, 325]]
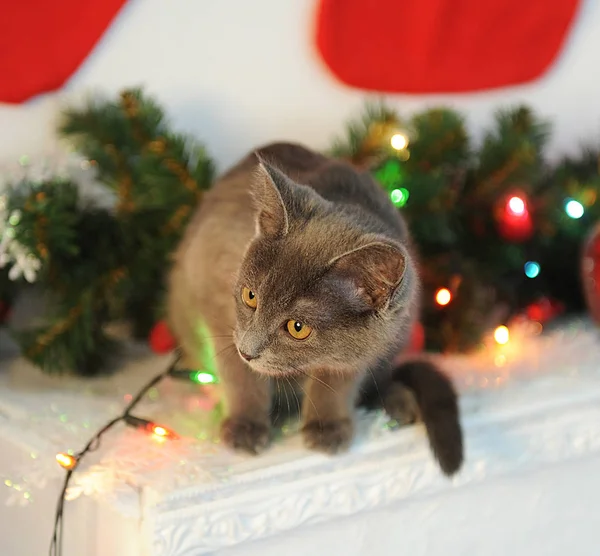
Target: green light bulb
[[399, 196], [203, 377]]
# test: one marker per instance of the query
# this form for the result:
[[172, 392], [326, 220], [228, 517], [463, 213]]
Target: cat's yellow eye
[[298, 330], [249, 298]]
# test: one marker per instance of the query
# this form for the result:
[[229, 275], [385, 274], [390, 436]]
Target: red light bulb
[[157, 431], [513, 218], [160, 432], [516, 206]]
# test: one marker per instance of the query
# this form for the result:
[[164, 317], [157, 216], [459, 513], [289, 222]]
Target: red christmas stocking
[[437, 46], [43, 42]]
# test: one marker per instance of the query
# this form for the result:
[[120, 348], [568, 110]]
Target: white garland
[[22, 261]]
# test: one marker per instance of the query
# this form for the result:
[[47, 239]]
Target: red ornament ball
[[161, 339], [590, 273], [544, 310]]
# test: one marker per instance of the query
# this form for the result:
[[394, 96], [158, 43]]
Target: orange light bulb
[[502, 335], [443, 296], [160, 431], [66, 461]]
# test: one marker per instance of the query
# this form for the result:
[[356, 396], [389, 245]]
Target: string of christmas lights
[[518, 225], [499, 230], [498, 227], [70, 462]]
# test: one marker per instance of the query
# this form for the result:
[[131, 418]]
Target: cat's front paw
[[245, 435], [330, 437]]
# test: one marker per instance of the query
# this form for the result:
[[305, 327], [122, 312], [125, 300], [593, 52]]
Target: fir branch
[[367, 138], [177, 220], [53, 332], [76, 340], [452, 198], [454, 201], [511, 154], [440, 140]]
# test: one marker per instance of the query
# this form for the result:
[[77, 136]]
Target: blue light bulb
[[574, 209], [532, 269]]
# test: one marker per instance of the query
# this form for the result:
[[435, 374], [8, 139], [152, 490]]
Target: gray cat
[[302, 270]]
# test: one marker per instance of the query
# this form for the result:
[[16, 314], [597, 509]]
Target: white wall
[[238, 73]]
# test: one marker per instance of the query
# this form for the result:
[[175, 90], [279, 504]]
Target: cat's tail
[[438, 407]]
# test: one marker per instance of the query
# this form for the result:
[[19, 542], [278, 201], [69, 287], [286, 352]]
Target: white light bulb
[[399, 141]]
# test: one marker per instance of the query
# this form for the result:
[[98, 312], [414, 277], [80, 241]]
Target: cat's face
[[314, 293]]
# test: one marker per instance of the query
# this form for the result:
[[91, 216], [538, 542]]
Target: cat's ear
[[273, 192], [374, 270]]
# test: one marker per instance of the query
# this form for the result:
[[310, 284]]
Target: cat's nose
[[246, 356]]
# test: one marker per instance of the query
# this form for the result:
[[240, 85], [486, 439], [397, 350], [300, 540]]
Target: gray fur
[[317, 242]]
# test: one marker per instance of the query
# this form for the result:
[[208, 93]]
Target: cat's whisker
[[287, 400], [277, 399], [294, 392], [307, 396], [221, 351], [230, 336], [376, 387], [328, 386]]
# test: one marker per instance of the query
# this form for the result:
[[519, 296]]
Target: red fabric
[[43, 42], [436, 46]]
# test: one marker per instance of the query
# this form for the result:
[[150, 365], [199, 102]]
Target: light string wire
[[92, 445]]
